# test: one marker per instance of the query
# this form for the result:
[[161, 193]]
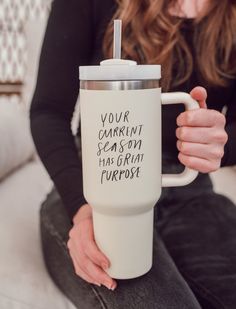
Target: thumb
[[199, 94]]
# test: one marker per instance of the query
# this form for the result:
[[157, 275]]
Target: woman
[[194, 241]]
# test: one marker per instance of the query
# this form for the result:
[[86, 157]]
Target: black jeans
[[194, 261]]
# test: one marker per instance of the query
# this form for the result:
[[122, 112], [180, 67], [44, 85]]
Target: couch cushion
[[16, 143], [224, 181], [25, 282]]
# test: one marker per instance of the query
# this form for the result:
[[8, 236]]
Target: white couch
[[24, 184], [24, 282]]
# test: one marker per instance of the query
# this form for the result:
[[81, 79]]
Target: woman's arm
[[68, 43]]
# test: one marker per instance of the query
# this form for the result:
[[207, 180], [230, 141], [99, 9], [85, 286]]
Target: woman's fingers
[[201, 135], [88, 260], [199, 164], [79, 272], [83, 236], [204, 151], [95, 255], [98, 274], [84, 266], [201, 118], [199, 94]]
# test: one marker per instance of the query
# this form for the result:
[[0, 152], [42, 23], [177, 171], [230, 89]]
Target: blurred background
[[24, 183], [16, 17]]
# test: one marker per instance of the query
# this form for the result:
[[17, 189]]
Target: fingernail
[[113, 287], [97, 283], [104, 266], [108, 285]]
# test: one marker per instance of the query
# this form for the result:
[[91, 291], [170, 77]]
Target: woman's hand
[[89, 262], [201, 135]]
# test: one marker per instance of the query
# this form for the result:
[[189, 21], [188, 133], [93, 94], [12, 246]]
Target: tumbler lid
[[120, 69]]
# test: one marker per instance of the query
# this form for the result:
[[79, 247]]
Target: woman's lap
[[162, 287], [195, 230], [200, 236]]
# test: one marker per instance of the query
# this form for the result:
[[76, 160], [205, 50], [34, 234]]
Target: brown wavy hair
[[151, 35]]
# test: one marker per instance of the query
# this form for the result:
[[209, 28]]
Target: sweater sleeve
[[68, 43], [230, 147]]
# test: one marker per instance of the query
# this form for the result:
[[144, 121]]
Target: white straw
[[117, 39]]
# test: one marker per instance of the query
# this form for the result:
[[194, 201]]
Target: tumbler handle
[[188, 175]]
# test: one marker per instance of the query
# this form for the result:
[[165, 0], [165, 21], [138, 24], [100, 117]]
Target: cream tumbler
[[120, 105]]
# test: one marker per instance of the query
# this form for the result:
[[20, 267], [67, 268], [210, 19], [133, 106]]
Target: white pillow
[[16, 145]]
